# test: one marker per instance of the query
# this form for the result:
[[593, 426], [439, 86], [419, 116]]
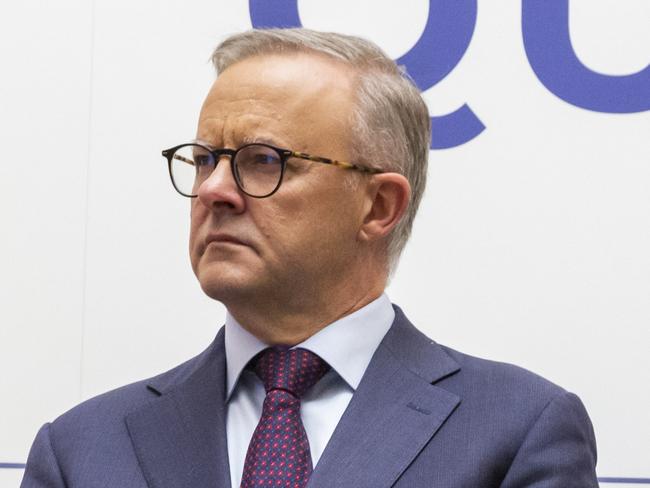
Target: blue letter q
[[445, 39]]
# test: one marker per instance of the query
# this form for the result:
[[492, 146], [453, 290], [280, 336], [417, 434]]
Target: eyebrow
[[203, 143], [261, 140], [249, 139]]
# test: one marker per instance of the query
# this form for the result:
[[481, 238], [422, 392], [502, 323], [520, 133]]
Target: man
[[305, 176]]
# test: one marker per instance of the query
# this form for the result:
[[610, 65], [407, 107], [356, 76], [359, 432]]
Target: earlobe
[[389, 196]]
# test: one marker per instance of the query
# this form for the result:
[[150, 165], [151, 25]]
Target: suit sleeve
[[559, 450], [42, 470]]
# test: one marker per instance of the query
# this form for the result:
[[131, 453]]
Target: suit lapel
[[180, 437], [393, 414]]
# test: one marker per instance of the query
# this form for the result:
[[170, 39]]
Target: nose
[[220, 188]]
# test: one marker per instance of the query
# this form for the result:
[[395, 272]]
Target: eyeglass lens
[[257, 169]]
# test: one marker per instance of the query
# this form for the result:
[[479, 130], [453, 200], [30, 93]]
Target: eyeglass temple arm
[[334, 162], [179, 157]]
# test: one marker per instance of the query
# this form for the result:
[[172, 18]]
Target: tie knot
[[293, 370]]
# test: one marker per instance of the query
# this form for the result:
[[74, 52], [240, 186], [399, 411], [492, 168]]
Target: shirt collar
[[347, 344]]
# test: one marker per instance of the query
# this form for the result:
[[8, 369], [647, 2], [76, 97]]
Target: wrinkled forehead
[[304, 92], [297, 74]]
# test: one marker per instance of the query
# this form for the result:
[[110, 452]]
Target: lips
[[223, 238]]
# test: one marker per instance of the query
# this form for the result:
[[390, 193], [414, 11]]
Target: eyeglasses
[[256, 168]]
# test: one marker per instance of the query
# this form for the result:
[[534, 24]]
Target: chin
[[226, 282]]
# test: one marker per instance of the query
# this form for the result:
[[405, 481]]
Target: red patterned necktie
[[278, 454]]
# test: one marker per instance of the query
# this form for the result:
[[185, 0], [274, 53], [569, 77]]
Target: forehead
[[293, 97]]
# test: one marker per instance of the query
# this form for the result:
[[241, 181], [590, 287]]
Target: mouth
[[224, 239]]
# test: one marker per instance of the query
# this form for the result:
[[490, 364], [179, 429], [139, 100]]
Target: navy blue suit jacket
[[423, 416]]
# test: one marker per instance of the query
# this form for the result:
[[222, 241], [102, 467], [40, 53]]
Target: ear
[[388, 198]]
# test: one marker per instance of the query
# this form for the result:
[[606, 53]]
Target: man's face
[[299, 240]]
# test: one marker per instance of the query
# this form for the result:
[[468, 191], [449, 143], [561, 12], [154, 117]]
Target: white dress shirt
[[347, 345]]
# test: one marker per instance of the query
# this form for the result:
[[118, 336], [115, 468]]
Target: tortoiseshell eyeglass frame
[[284, 154]]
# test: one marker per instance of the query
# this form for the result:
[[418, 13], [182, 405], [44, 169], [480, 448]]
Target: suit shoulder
[[113, 403], [507, 381], [485, 383], [94, 434], [109, 408]]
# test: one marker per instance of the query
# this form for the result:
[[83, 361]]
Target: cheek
[[277, 221], [318, 225], [198, 215], [276, 226]]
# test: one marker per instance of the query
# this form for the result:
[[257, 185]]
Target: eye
[[262, 155], [259, 156], [194, 156], [264, 158], [202, 159]]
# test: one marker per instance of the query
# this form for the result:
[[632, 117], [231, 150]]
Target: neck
[[295, 320]]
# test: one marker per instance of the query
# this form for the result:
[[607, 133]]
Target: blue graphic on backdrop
[[446, 37], [447, 34], [548, 46]]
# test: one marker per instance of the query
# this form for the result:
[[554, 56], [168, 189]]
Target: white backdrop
[[531, 245]]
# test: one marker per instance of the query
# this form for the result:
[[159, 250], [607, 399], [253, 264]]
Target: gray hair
[[390, 125]]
